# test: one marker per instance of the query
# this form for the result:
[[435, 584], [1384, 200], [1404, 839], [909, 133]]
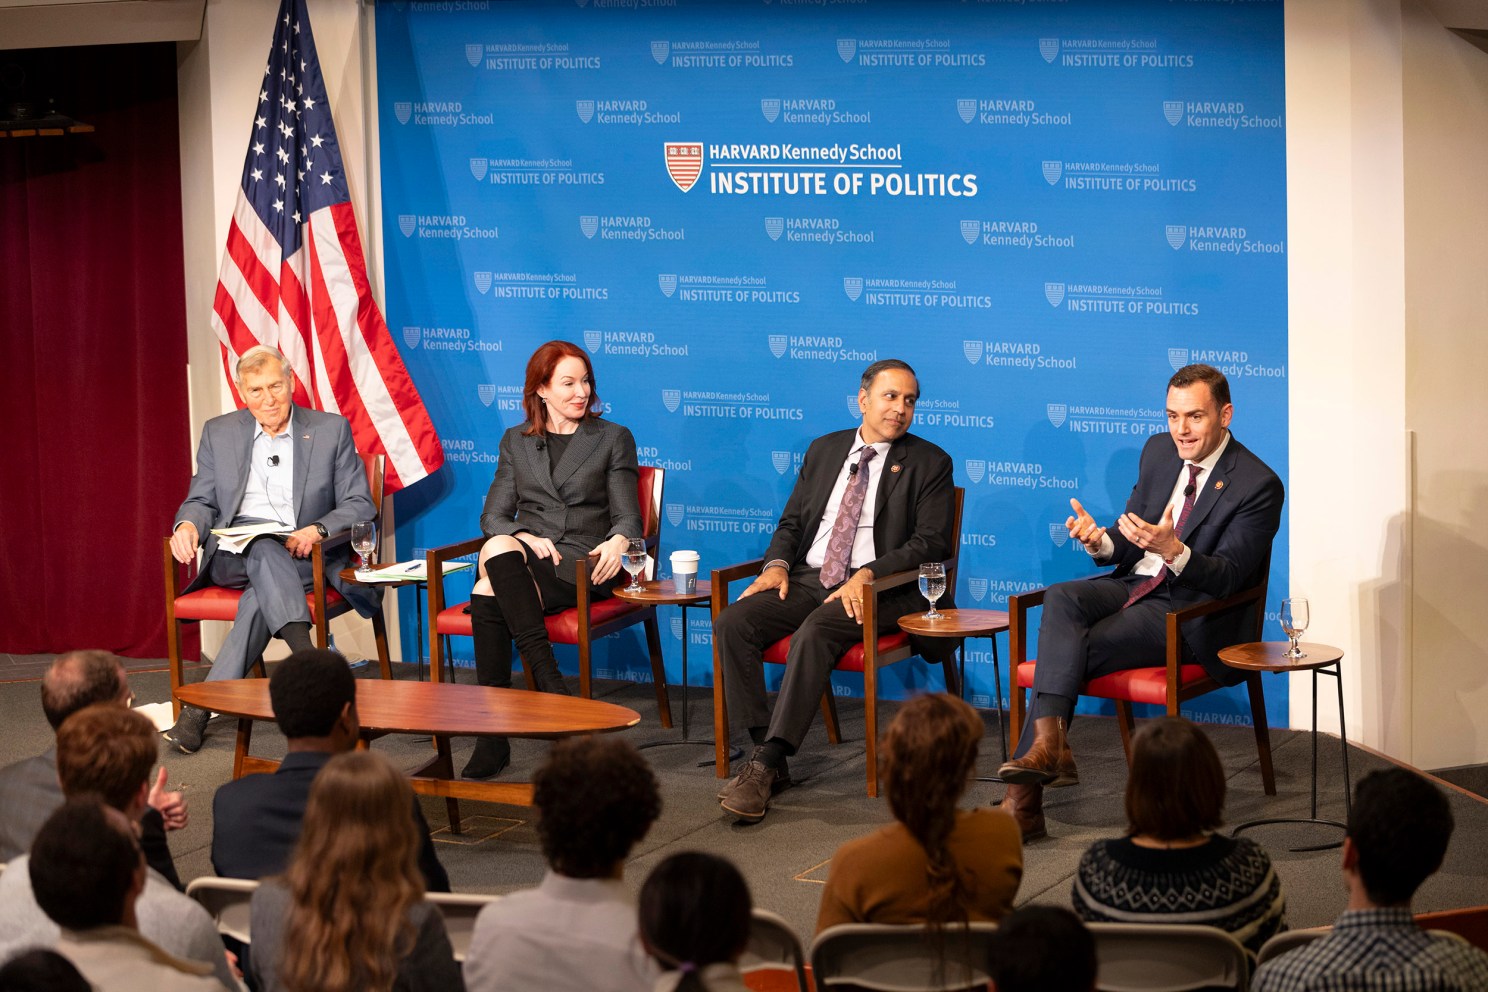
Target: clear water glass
[[932, 586], [364, 540], [1294, 619], [634, 561]]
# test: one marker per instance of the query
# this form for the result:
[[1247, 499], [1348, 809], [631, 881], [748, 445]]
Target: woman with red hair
[[565, 489]]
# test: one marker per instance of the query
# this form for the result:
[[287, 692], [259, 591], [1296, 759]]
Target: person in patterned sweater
[[1172, 867]]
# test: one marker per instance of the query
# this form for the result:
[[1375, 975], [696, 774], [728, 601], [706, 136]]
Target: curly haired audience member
[[937, 864], [695, 917], [575, 932], [1172, 866], [349, 915]]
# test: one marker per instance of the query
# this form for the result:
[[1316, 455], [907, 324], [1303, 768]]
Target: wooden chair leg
[[173, 652], [953, 684], [527, 676], [1262, 731], [829, 715], [1017, 707], [658, 669], [259, 667], [1128, 724], [870, 725], [379, 631], [586, 680], [720, 714]]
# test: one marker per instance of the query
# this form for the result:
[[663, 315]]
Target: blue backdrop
[[735, 207]]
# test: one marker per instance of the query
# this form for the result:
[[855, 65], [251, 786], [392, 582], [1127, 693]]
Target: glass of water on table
[[932, 586]]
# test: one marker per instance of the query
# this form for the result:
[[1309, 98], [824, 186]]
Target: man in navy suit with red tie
[[1198, 527]]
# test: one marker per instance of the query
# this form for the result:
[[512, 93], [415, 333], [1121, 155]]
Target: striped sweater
[[1227, 883]]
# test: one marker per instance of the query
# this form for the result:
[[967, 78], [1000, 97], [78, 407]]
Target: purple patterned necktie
[[1189, 495], [845, 527]]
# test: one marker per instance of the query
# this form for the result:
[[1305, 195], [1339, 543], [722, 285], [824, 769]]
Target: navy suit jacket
[[1229, 533], [912, 516], [256, 822]]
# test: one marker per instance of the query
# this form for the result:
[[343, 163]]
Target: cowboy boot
[[1025, 804], [1040, 763]]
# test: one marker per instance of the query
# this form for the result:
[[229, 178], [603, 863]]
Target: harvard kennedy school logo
[[684, 162]]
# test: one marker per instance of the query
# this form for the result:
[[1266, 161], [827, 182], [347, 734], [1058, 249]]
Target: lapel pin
[[894, 469], [1219, 484]]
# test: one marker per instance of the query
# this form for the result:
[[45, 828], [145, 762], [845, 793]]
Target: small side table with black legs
[[963, 624], [664, 593], [1321, 659]]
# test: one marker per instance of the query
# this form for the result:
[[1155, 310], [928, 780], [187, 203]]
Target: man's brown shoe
[[1065, 772], [748, 796], [1025, 804], [782, 779], [1040, 764]]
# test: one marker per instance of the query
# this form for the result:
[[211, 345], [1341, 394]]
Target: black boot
[[186, 735], [521, 610], [493, 648]]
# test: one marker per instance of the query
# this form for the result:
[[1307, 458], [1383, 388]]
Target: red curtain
[[93, 403]]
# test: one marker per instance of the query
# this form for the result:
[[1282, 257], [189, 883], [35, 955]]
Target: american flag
[[293, 275]]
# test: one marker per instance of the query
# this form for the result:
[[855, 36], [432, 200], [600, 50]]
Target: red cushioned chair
[[217, 603], [581, 625], [1168, 686], [877, 651]]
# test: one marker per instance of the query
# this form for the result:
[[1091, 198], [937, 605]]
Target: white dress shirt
[[1152, 562], [270, 492], [863, 551]]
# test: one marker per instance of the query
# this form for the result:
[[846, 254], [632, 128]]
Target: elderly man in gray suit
[[273, 462]]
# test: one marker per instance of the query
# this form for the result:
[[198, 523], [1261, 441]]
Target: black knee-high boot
[[493, 647], [511, 584]]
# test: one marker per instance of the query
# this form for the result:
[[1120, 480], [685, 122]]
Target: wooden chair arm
[[892, 581], [1251, 595], [434, 560], [173, 569], [721, 577], [1018, 607]]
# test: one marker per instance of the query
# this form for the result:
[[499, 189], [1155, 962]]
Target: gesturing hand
[[1158, 537], [1083, 528], [170, 805]]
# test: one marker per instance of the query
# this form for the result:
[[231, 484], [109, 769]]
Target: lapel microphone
[[1188, 490], [273, 461], [852, 469], [541, 444]]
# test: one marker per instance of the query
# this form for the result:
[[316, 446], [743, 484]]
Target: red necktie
[[1190, 494], [845, 527]]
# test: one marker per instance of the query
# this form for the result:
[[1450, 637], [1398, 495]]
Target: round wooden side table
[[665, 593], [963, 624], [1319, 659]]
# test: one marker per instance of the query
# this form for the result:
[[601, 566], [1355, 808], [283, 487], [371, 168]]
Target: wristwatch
[[320, 528]]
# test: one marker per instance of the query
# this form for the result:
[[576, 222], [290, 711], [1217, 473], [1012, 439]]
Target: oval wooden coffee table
[[1319, 659], [437, 709], [967, 623]]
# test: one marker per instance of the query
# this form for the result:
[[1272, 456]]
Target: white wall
[[1387, 204]]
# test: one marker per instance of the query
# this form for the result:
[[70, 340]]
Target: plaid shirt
[[1376, 950]]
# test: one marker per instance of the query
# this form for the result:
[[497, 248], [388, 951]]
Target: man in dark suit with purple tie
[[868, 502], [1198, 527]]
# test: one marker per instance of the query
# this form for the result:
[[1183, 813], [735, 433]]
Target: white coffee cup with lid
[[684, 571]]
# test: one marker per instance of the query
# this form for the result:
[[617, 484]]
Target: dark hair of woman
[[694, 911], [1176, 787], [928, 755], [540, 369], [352, 879]]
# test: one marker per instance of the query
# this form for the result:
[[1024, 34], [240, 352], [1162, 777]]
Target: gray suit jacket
[[590, 497], [29, 793], [330, 487]]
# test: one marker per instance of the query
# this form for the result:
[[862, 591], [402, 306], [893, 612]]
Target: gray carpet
[[784, 858]]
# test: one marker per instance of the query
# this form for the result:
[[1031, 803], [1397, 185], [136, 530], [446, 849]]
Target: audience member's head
[[108, 751], [1176, 787], [352, 879], [694, 911], [1043, 949], [314, 693], [597, 798], [40, 970], [927, 758], [1398, 831], [81, 678], [86, 866]]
